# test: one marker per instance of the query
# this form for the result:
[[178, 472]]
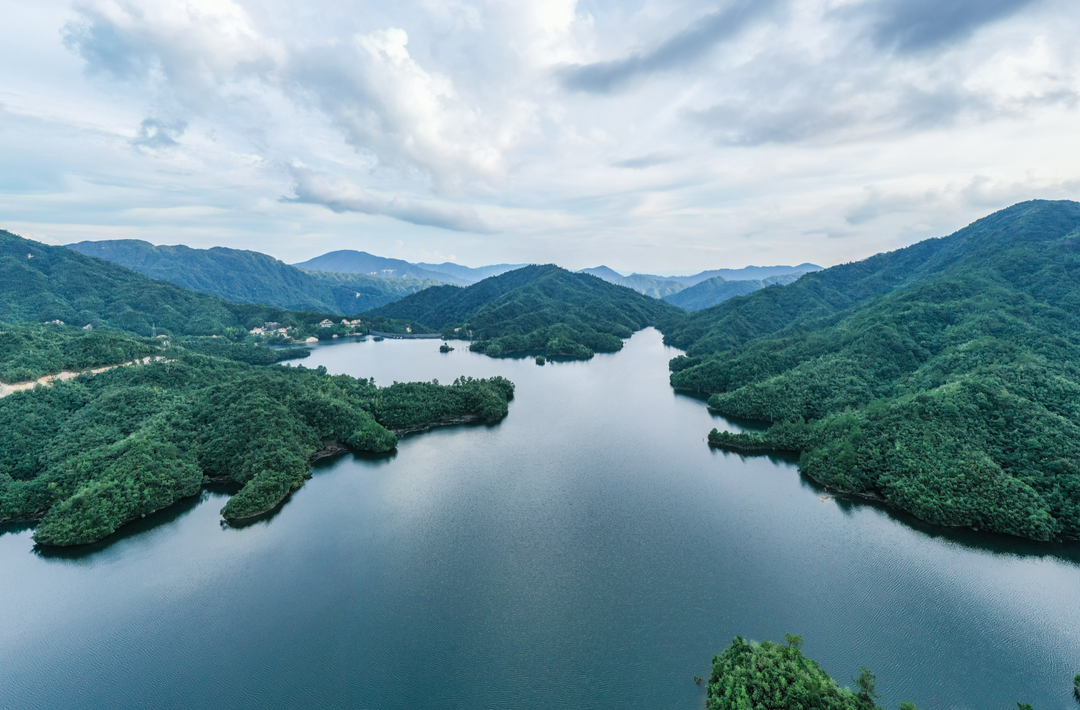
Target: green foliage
[[251, 277], [43, 283], [770, 676], [251, 353], [31, 350], [716, 290], [943, 378], [534, 308], [87, 455]]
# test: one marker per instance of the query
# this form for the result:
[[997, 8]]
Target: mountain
[[746, 273], [943, 378], [655, 286], [251, 277], [467, 274], [40, 283], [85, 455], [717, 289], [534, 308], [347, 261]]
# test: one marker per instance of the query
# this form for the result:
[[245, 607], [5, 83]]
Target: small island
[[444, 348], [540, 360]]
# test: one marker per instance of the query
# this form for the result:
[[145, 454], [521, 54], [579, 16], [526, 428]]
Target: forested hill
[[40, 283], [710, 292], [251, 277], [534, 308], [350, 261], [944, 378]]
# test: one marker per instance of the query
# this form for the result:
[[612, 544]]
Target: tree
[[866, 683]]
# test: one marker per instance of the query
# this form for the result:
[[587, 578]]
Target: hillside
[[942, 378], [467, 274], [348, 261], [655, 286], [83, 457], [710, 292], [251, 277], [43, 283], [534, 308]]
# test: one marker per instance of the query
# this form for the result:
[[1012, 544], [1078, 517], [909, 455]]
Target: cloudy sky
[[654, 136]]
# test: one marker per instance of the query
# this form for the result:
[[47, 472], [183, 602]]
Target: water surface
[[590, 551]]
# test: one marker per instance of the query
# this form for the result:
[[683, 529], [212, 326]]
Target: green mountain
[[655, 286], [348, 261], [43, 283], [467, 274], [251, 277], [86, 454], [534, 308], [718, 289], [943, 378]]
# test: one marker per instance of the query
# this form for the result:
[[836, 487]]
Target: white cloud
[[780, 128], [342, 196]]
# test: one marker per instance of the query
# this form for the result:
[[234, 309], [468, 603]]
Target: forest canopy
[[534, 308], [87, 455], [251, 277], [943, 378]]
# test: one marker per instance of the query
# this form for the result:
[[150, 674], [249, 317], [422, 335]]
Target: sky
[[658, 137]]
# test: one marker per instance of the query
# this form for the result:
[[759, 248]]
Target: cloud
[[643, 161], [980, 193], [158, 134], [340, 196], [917, 25], [384, 102], [682, 48]]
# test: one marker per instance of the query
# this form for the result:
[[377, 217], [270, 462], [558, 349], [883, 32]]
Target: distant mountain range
[[348, 281], [252, 277], [710, 292], [349, 261], [708, 287]]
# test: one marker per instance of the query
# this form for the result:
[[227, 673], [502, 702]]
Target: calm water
[[590, 551]]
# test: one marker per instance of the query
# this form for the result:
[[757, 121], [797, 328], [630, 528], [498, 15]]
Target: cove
[[589, 551]]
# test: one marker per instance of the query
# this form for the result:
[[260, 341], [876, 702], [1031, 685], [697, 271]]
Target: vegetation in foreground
[[943, 378], [534, 308], [87, 455], [773, 676]]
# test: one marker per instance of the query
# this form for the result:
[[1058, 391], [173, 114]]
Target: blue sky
[[651, 136]]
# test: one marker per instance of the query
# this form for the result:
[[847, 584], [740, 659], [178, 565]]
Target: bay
[[589, 551]]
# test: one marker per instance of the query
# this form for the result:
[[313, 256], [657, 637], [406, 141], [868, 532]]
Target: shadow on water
[[319, 466], [151, 522], [969, 538]]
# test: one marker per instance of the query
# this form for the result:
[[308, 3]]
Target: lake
[[589, 551]]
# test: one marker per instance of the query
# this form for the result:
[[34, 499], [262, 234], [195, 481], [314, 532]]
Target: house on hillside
[[326, 323]]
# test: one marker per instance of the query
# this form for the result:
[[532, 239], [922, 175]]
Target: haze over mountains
[[251, 277], [349, 261], [350, 282], [721, 285]]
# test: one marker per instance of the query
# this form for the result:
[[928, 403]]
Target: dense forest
[[943, 378], [251, 277], [87, 455], [772, 676], [717, 289], [44, 283], [534, 308]]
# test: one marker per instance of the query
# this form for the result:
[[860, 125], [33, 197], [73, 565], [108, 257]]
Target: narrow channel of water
[[590, 551]]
